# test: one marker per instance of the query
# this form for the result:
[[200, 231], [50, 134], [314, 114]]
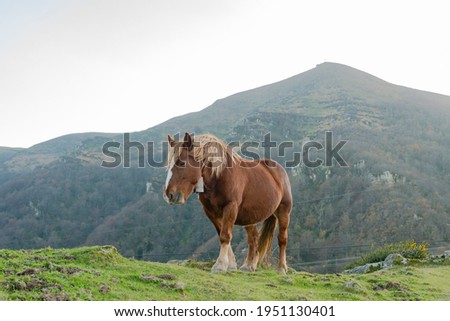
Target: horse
[[232, 191]]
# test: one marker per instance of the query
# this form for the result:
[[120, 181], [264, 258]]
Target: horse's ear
[[171, 141], [187, 142]]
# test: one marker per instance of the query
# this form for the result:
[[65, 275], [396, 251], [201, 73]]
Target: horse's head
[[184, 173]]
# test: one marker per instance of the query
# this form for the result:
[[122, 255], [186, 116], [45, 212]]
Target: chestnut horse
[[232, 191]]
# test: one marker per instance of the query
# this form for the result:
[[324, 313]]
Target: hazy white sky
[[114, 66]]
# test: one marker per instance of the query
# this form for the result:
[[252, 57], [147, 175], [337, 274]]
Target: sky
[[121, 66]]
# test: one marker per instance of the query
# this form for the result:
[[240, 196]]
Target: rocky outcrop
[[391, 259]]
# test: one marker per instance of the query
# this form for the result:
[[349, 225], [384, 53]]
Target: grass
[[101, 273]]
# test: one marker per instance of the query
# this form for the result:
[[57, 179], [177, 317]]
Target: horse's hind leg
[[251, 261], [283, 214]]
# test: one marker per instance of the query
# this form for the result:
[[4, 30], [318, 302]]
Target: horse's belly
[[250, 217], [257, 207]]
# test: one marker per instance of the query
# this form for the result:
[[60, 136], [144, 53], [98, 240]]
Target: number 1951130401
[[295, 311]]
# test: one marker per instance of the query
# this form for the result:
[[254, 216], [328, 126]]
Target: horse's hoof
[[218, 269], [232, 269], [246, 268], [282, 270], [232, 266]]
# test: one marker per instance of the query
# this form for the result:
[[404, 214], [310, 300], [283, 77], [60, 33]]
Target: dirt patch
[[35, 284], [104, 289], [167, 277], [69, 257], [391, 285], [179, 286], [149, 277], [29, 271], [40, 284], [6, 272], [29, 285], [55, 297], [69, 270]]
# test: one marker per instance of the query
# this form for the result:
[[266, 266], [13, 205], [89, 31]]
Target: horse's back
[[280, 174]]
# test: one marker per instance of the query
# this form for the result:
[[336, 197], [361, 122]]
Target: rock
[[179, 286], [390, 260], [370, 267], [149, 277], [178, 262], [447, 254], [352, 285], [393, 259]]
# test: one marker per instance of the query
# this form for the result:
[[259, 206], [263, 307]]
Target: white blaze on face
[[169, 173], [200, 188]]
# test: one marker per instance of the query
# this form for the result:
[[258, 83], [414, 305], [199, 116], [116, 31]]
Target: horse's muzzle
[[174, 198]]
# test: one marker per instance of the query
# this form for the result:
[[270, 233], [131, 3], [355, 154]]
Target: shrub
[[412, 250], [408, 249]]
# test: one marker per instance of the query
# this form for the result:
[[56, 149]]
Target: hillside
[[396, 187], [71, 145], [100, 273], [7, 153]]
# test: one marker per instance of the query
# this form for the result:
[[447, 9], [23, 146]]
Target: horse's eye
[[181, 163]]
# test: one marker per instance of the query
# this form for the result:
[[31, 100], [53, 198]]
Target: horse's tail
[[266, 238]]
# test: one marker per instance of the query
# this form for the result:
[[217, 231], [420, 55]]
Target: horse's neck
[[210, 180]]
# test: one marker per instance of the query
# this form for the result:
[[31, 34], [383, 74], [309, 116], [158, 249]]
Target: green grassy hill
[[101, 273]]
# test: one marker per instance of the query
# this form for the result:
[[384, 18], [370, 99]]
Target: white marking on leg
[[232, 266], [221, 264]]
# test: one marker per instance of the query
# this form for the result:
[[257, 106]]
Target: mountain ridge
[[329, 68]]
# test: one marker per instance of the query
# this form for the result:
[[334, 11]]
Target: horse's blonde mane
[[209, 151]]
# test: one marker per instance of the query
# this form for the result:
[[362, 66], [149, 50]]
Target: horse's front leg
[[226, 258], [251, 261]]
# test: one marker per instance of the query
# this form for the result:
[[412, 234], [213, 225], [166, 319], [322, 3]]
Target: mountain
[[396, 185]]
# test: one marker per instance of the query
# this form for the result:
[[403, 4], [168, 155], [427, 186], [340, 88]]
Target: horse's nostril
[[170, 196]]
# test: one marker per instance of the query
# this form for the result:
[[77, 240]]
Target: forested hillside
[[396, 185]]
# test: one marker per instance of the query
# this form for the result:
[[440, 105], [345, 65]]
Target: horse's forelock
[[173, 154]]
